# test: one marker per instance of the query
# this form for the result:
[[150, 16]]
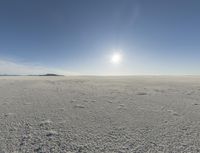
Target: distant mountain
[[50, 74], [9, 75]]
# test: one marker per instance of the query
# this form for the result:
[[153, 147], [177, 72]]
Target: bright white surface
[[105, 114]]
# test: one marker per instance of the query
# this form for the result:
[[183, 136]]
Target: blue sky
[[79, 36]]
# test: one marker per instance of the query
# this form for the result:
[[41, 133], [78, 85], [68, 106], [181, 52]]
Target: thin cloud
[[14, 68]]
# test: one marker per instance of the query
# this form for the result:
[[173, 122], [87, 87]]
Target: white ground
[[100, 114]]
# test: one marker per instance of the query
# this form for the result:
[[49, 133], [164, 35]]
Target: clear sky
[[80, 36]]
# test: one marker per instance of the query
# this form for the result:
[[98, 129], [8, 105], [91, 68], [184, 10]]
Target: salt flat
[[138, 114]]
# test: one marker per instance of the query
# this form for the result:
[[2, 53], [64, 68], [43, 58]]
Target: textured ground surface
[[100, 114]]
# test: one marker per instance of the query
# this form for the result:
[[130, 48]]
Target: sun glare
[[116, 58]]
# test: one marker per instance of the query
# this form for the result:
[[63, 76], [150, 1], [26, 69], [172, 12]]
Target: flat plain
[[75, 114]]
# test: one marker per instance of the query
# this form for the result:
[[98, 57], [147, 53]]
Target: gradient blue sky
[[78, 36]]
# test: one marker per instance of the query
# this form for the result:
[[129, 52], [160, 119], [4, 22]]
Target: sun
[[116, 58]]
